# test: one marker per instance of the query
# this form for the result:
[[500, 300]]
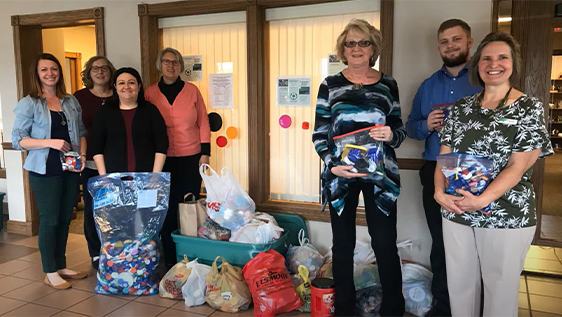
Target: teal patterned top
[[341, 109]]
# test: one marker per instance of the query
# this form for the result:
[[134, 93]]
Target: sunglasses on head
[[362, 43]]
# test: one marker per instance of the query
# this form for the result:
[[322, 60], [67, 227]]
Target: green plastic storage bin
[[238, 254]]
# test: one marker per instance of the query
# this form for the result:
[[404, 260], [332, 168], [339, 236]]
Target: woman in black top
[[129, 134]]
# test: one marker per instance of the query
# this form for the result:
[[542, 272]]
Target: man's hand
[[435, 120]]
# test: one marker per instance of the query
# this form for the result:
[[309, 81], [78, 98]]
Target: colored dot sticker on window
[[285, 121], [231, 133], [222, 141], [305, 125]]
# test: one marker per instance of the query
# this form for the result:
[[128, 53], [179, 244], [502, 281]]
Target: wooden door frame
[[258, 109], [23, 55], [78, 70]]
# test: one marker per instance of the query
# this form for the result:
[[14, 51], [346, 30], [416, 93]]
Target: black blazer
[[110, 139]]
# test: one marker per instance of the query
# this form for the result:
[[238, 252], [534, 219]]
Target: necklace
[[493, 111], [359, 85], [60, 113], [103, 100]]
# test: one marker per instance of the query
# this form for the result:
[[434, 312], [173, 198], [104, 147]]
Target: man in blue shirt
[[429, 110]]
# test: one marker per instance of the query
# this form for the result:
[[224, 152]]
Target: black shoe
[[96, 263]]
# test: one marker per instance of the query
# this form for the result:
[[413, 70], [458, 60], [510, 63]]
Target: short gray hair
[[169, 50]]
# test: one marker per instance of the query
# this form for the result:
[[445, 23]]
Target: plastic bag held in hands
[[305, 254], [227, 203], [194, 288]]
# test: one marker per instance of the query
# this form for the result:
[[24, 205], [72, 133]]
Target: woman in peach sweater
[[189, 135]]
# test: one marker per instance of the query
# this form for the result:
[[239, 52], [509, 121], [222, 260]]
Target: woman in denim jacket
[[48, 122]]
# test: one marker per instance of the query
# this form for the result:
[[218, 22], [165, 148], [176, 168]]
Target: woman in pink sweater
[[189, 135]]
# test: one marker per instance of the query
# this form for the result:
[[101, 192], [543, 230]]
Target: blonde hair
[[362, 27]]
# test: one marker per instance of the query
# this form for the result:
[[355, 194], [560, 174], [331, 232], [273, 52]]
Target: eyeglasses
[[362, 43], [170, 62], [97, 69]]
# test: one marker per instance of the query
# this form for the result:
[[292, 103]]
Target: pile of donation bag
[[229, 255]]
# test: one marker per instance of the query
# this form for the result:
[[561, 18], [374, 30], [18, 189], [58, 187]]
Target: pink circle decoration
[[285, 121], [221, 141]]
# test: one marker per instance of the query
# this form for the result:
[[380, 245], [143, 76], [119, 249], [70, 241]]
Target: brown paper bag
[[192, 214]]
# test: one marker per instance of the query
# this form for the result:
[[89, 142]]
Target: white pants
[[495, 255]]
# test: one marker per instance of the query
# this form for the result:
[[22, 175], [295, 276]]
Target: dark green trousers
[[55, 197]]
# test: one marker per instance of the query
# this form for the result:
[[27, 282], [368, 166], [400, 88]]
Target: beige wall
[[415, 58], [80, 40]]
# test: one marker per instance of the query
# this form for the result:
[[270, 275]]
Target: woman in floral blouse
[[506, 126]]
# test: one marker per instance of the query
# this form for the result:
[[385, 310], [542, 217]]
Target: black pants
[[90, 231], [185, 179], [434, 222], [382, 230]]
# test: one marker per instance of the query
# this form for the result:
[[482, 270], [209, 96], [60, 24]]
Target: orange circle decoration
[[222, 141], [231, 133]]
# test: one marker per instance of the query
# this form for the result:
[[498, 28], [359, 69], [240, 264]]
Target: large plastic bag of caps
[[227, 203], [304, 254], [172, 282], [365, 275], [363, 253], [270, 284], [416, 287], [226, 288], [262, 229], [129, 210], [303, 290], [213, 231], [368, 301], [194, 288], [464, 171], [359, 150]]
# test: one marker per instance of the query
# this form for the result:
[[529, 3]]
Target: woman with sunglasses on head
[[97, 78], [185, 113], [360, 97], [129, 134], [48, 122], [504, 125]]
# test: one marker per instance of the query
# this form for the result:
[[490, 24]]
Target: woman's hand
[[448, 202], [83, 161], [204, 159], [343, 171], [470, 202], [59, 145], [381, 133]]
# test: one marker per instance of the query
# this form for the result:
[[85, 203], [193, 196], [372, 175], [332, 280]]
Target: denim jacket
[[33, 120]]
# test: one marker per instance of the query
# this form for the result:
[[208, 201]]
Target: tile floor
[[22, 292]]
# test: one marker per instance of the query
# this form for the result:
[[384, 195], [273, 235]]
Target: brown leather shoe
[[77, 276], [64, 285]]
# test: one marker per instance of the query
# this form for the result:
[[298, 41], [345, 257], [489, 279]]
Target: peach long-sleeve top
[[186, 119]]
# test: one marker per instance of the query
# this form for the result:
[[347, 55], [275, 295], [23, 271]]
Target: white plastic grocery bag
[[227, 203], [193, 290]]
